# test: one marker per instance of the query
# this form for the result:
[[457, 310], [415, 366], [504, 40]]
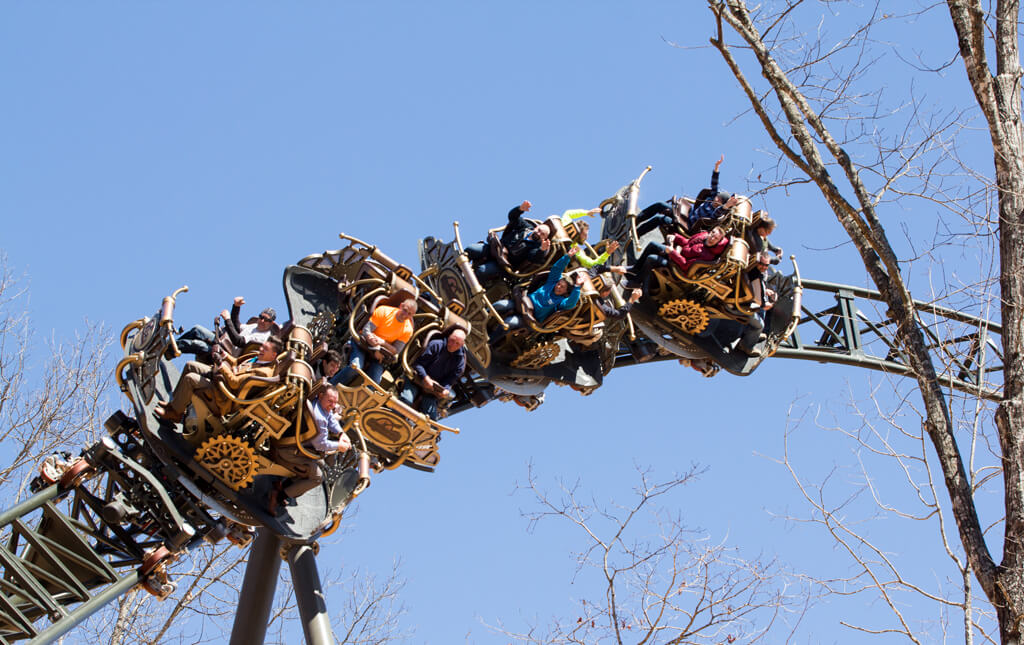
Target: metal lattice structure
[[846, 325]]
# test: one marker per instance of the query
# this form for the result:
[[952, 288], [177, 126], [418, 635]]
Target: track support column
[[257, 595], [310, 596]]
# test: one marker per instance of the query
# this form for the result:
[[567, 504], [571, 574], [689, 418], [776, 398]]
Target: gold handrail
[[128, 329], [131, 359], [234, 399]]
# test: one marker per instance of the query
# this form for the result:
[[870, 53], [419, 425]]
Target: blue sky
[[146, 146]]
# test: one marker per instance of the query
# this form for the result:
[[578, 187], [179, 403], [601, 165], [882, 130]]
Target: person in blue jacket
[[556, 294]]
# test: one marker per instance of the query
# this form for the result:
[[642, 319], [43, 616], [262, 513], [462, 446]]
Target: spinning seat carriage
[[395, 432], [688, 298], [679, 304], [534, 345]]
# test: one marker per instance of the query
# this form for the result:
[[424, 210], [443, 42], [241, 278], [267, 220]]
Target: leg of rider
[[657, 208], [652, 223], [198, 340], [513, 322], [428, 406], [652, 248], [409, 392], [307, 471], [751, 333], [503, 306], [650, 264], [190, 381], [478, 252], [487, 271], [356, 359], [374, 369]]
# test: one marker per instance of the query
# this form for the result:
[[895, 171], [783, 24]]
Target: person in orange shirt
[[388, 330]]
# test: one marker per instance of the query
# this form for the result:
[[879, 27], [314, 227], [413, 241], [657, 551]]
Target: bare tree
[[820, 101], [60, 404], [661, 582]]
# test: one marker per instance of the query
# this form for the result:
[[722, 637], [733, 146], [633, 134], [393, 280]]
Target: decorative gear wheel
[[536, 357], [685, 314], [231, 459]]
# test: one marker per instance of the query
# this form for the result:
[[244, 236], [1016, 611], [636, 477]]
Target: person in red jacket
[[705, 246], [683, 251]]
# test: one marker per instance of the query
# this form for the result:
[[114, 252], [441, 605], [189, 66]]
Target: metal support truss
[[107, 525], [850, 325]]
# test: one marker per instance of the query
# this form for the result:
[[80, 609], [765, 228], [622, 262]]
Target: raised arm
[[517, 211], [557, 269], [232, 326]]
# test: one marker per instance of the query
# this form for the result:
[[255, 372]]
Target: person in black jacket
[[525, 241], [438, 367]]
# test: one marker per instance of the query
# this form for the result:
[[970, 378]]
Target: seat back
[[523, 305]]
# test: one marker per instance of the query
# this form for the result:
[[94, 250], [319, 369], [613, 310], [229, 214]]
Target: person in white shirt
[[308, 474]]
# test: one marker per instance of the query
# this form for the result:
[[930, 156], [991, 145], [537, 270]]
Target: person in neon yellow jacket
[[583, 258]]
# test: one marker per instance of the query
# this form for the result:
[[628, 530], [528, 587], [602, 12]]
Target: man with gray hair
[[438, 368]]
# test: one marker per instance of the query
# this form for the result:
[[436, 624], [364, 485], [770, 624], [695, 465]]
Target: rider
[[710, 203], [308, 474], [200, 376], [200, 341], [387, 331], [524, 241], [438, 367], [556, 294]]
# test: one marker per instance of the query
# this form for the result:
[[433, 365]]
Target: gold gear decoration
[[685, 314], [231, 459], [536, 357]]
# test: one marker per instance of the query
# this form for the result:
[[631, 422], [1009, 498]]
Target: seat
[[723, 279], [391, 293]]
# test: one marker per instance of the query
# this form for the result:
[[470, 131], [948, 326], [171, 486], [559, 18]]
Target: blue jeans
[[428, 402], [198, 340], [359, 359], [479, 252]]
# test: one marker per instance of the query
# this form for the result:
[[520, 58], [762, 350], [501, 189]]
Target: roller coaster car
[[234, 433], [535, 344], [396, 433], [679, 305], [447, 269]]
